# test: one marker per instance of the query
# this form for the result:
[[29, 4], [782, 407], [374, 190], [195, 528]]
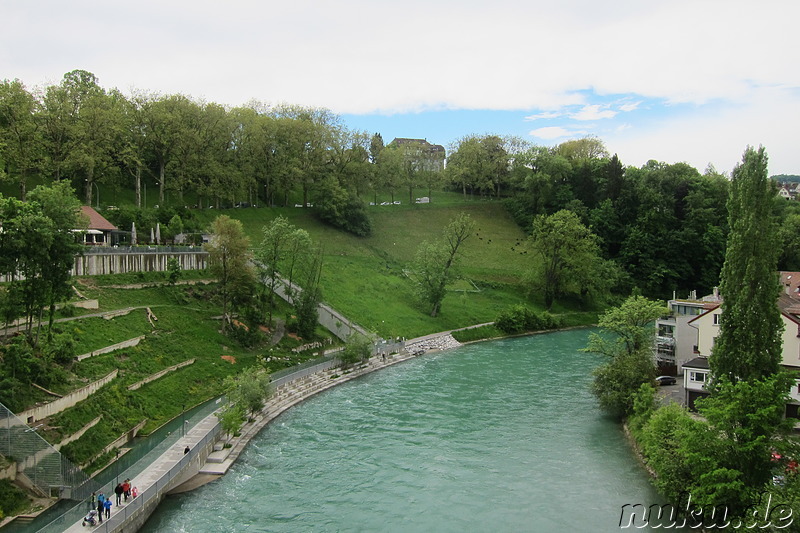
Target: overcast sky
[[674, 80]]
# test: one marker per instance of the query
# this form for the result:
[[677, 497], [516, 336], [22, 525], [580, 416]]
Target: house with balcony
[[696, 370], [676, 340]]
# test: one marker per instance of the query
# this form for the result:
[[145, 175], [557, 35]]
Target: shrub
[[519, 319], [476, 334], [12, 500]]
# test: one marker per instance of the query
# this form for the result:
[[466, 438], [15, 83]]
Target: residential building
[[99, 230], [695, 371], [426, 155], [676, 341]]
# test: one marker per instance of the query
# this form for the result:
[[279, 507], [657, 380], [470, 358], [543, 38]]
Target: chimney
[[716, 293]]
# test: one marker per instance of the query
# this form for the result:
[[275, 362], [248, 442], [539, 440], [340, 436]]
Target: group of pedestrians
[[123, 489], [103, 503]]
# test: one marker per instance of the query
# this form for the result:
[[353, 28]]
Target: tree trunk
[[138, 178], [161, 173]]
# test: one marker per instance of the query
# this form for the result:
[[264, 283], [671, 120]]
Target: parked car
[[666, 380]]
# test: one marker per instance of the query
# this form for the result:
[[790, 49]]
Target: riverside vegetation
[[566, 229], [188, 326]]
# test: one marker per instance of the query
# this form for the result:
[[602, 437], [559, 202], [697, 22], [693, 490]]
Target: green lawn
[[365, 277]]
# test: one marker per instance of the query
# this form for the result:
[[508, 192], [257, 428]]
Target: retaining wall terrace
[[43, 411], [122, 260]]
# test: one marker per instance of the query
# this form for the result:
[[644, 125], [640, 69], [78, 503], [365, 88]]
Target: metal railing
[[120, 516], [44, 466], [143, 249], [139, 462]]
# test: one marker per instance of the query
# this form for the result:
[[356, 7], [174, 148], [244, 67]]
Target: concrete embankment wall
[[124, 344], [92, 264], [43, 411], [133, 516]]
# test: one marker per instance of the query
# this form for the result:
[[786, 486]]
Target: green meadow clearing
[[369, 279]]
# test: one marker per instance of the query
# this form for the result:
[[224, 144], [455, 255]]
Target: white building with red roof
[[98, 232]]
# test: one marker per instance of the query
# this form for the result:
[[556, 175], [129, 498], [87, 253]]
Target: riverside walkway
[[175, 471]]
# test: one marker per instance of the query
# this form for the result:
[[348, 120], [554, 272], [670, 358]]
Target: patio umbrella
[[152, 238], [158, 233], [133, 233]]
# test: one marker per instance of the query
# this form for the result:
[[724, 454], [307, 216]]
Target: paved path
[[219, 462], [155, 471]]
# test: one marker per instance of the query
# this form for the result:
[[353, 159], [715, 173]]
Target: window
[[699, 377], [717, 319]]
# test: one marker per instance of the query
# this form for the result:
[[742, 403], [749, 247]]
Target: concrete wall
[[159, 374], [329, 318], [78, 434], [43, 411], [124, 344], [149, 261]]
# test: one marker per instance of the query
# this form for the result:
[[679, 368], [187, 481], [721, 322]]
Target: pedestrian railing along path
[[170, 469], [157, 475]]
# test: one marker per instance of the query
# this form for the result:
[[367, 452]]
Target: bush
[[519, 319], [343, 210], [13, 501], [476, 334]]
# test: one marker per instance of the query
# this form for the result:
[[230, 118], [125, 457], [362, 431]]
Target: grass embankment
[[185, 329], [366, 278]]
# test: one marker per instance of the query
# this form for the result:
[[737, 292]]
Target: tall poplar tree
[[749, 343]]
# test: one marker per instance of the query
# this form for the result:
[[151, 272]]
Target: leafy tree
[[626, 339], [357, 350], [271, 253], [629, 327], [59, 205], [434, 263], [307, 302], [248, 391], [749, 419], [564, 248], [229, 259], [375, 147], [173, 270], [231, 418], [749, 345], [20, 138], [342, 209], [479, 162]]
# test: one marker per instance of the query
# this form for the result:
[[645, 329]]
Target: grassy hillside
[[366, 278]]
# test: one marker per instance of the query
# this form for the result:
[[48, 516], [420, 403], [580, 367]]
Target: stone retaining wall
[[35, 414], [124, 344], [118, 263], [157, 375], [78, 434]]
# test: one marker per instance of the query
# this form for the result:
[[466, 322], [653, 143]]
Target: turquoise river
[[495, 436]]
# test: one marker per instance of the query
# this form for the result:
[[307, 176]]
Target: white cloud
[[717, 135], [630, 106], [555, 132], [593, 112], [543, 116], [359, 56]]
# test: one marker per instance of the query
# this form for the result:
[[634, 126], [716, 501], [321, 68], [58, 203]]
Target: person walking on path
[[100, 508], [118, 491], [126, 489], [107, 505], [91, 502]]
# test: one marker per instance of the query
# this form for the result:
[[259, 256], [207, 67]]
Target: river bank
[[297, 391]]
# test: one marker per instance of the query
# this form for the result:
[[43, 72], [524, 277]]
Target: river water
[[495, 436]]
